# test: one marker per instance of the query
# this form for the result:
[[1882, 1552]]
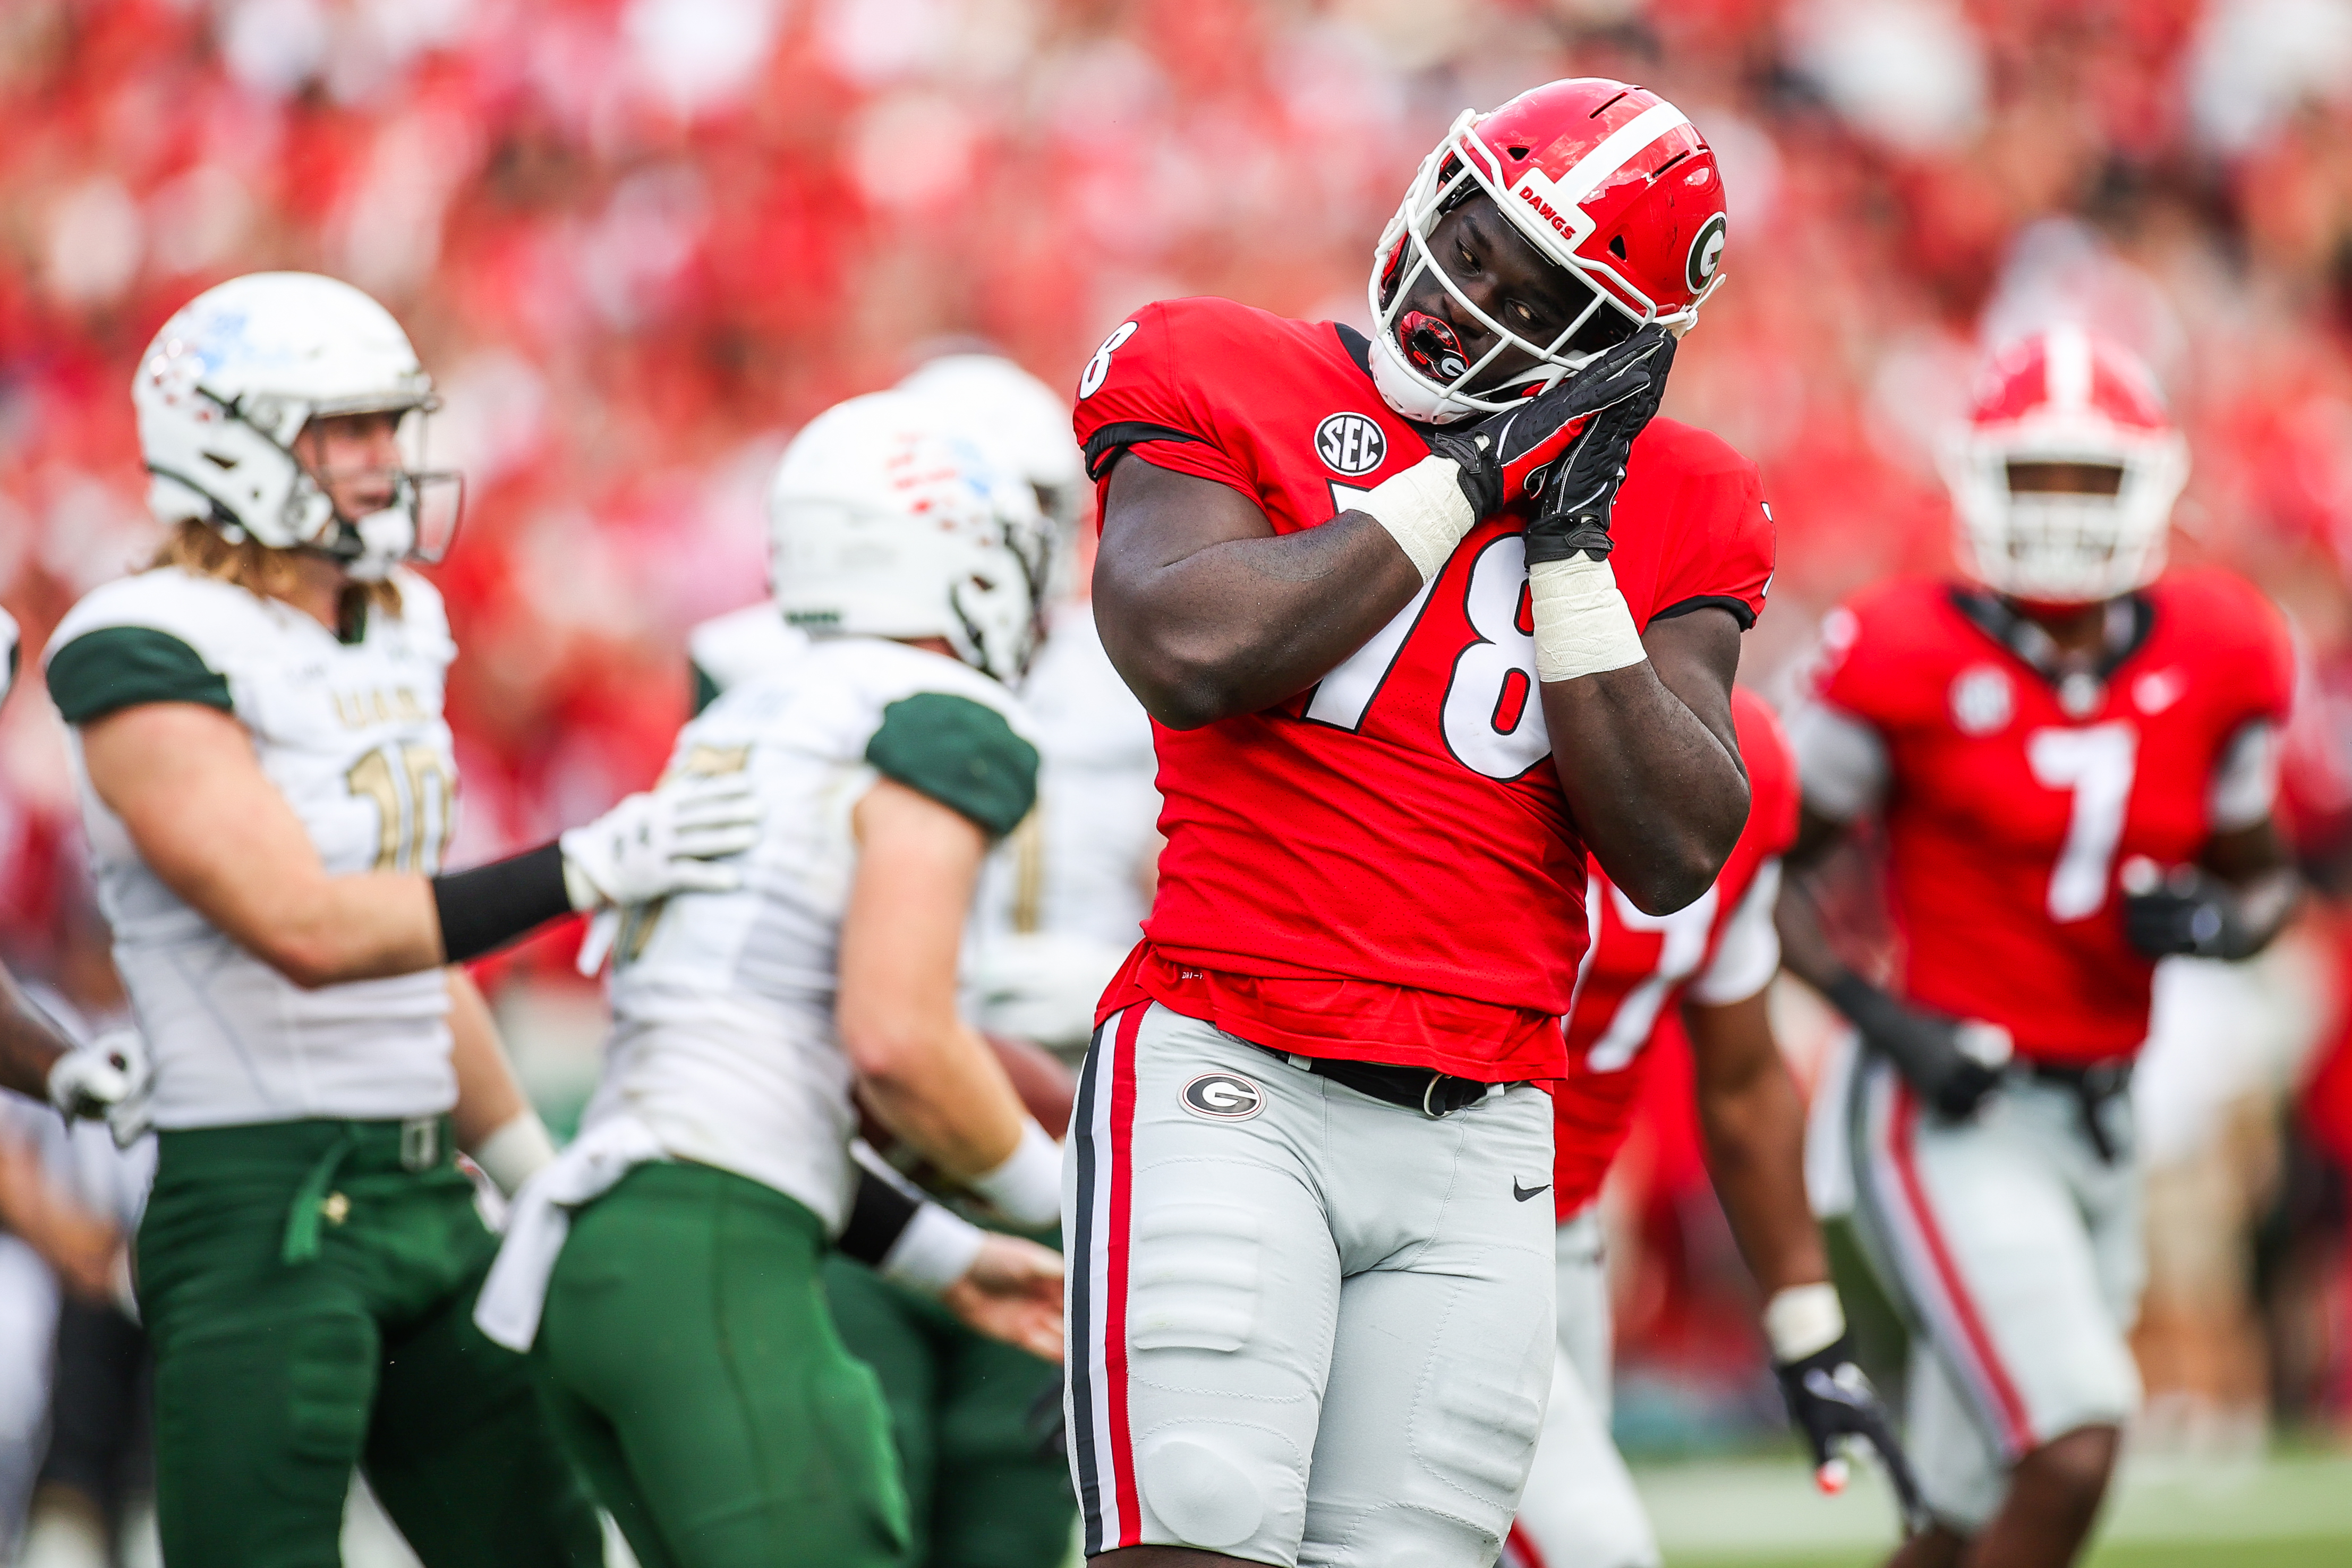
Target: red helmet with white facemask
[[2064, 482], [1609, 181]]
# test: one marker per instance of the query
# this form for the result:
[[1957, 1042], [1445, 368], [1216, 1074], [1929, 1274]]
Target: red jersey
[[2008, 816], [1640, 965], [1383, 866]]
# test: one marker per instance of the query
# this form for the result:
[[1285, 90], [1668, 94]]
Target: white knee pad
[[1200, 1488]]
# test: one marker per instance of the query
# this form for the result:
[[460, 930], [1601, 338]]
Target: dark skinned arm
[[1805, 950], [1648, 759], [1207, 613], [2254, 863], [1755, 1132], [30, 1044]]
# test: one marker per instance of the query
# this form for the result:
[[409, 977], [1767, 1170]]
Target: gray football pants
[[1306, 1326]]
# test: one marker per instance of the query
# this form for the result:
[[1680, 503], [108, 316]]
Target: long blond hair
[[198, 547]]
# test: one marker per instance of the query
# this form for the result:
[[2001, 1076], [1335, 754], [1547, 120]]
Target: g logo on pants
[[1224, 1097]]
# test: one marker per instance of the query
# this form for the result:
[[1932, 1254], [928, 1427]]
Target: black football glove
[[2183, 911], [1498, 454], [1581, 489], [1953, 1063], [1834, 1405]]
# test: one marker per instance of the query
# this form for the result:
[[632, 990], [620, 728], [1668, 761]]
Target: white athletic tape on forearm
[[1423, 510], [1803, 1320], [934, 1251], [516, 1153], [1027, 1187], [1583, 626]]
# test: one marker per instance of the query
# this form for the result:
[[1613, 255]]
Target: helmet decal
[[1706, 254]]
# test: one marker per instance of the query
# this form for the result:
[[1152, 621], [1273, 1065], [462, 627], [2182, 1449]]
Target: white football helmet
[[8, 651], [886, 519], [231, 380], [2065, 400], [1020, 415]]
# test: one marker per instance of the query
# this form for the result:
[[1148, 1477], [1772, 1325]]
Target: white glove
[[663, 842], [111, 1078]]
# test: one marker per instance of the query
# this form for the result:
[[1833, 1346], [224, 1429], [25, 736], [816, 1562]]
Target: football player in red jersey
[[1419, 619], [1713, 961], [2072, 760]]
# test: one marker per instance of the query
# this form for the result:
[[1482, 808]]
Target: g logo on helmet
[[1224, 1097], [1351, 444], [1706, 254]]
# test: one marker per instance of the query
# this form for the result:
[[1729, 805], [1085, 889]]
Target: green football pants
[[308, 1288], [973, 1418], [694, 1373]]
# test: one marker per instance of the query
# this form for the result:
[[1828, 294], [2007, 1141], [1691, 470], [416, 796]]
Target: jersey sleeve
[[1724, 553], [109, 669], [962, 753], [1137, 394], [1748, 954]]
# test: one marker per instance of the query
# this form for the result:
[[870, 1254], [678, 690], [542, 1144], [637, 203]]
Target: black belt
[[2092, 1086], [1433, 1094]]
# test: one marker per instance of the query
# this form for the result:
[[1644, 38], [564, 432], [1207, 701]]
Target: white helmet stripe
[[2066, 367], [1616, 150]]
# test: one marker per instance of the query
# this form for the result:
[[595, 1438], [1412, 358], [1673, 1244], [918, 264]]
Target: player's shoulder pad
[[2241, 638], [424, 616], [729, 649], [1773, 793], [1140, 386], [160, 636], [1884, 650], [946, 731], [1699, 454]]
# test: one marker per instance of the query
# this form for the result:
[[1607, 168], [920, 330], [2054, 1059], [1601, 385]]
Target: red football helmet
[[1611, 181], [2064, 482]]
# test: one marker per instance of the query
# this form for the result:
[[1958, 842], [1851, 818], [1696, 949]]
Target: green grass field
[[2293, 1510]]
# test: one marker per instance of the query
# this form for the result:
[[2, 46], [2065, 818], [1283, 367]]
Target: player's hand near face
[[1502, 456], [1012, 1292]]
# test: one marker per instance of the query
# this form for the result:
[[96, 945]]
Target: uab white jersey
[[1064, 901], [730, 649], [352, 734], [723, 1039]]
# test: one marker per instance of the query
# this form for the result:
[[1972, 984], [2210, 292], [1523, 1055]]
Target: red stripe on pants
[[2018, 1427], [1122, 1166]]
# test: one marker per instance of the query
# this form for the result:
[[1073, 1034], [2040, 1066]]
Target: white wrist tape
[[1804, 1319], [579, 889], [514, 1153], [1423, 510], [934, 1251], [1027, 1187], [1583, 626]]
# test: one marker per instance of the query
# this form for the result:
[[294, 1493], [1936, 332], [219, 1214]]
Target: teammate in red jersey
[[2072, 758], [1363, 586], [1713, 961]]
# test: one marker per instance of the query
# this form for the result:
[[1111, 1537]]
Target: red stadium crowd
[[640, 241]]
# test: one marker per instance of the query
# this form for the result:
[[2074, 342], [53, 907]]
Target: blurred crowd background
[[639, 241]]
